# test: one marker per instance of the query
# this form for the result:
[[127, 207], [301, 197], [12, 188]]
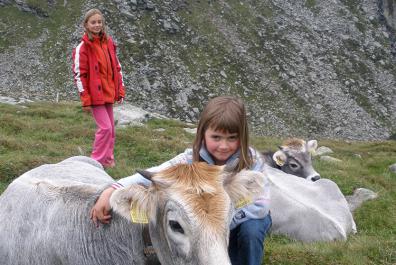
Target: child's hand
[[86, 108], [120, 101], [101, 210]]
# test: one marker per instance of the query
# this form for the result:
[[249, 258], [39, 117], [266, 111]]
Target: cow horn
[[146, 174]]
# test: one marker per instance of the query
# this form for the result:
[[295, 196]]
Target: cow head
[[189, 209], [295, 157]]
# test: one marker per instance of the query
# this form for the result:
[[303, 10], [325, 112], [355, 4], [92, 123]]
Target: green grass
[[375, 242], [17, 27], [312, 5], [47, 133], [39, 133]]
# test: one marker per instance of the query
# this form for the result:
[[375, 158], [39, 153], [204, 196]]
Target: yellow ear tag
[[279, 162], [243, 202], [137, 216]]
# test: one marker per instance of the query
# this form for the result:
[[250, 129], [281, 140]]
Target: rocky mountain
[[308, 68]]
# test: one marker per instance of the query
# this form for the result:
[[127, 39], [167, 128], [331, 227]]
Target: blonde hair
[[228, 114], [87, 16]]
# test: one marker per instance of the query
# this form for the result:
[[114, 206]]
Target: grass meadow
[[38, 133]]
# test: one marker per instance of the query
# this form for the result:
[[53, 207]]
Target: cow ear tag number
[[243, 202], [137, 216]]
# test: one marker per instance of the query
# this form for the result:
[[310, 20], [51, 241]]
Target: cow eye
[[293, 165], [176, 227]]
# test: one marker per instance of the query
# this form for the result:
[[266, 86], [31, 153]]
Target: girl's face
[[94, 24], [221, 145]]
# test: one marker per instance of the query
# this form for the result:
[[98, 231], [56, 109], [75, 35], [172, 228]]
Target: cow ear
[[136, 200], [244, 186], [311, 146], [279, 158]]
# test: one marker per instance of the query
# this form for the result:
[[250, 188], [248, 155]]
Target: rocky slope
[[311, 68]]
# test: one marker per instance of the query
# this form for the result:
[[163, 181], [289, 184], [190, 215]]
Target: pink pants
[[103, 146]]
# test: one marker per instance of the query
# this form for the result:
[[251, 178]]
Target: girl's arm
[[255, 210], [119, 71], [101, 210], [182, 158], [80, 71], [261, 206], [121, 79]]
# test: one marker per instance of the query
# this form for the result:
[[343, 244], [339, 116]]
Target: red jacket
[[87, 75]]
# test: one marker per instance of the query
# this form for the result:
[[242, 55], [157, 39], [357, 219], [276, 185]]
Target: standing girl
[[222, 138], [98, 77]]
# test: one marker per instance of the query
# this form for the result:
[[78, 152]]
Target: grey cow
[[294, 157], [45, 215], [309, 211], [313, 210]]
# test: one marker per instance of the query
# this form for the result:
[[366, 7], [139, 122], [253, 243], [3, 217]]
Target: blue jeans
[[246, 245]]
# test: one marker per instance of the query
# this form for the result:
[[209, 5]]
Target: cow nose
[[315, 178]]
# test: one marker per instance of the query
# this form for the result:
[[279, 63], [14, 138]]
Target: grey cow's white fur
[[45, 217], [308, 211]]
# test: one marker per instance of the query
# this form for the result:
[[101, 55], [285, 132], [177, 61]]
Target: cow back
[[308, 211], [45, 219]]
